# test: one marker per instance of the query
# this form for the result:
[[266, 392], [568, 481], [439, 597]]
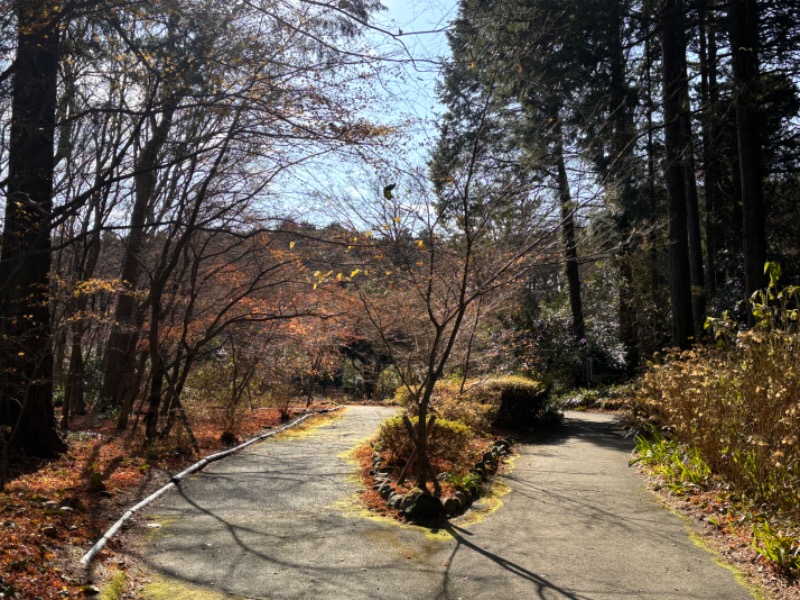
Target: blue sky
[[404, 88], [412, 17]]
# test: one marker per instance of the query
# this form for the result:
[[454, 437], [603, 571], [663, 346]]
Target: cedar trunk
[[712, 136], [673, 47], [621, 171], [743, 20], [570, 243]]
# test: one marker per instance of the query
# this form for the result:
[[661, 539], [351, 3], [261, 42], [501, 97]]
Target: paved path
[[577, 524]]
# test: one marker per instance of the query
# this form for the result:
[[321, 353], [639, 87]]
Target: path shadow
[[543, 588], [605, 433]]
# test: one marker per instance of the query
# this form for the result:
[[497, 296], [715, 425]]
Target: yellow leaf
[[356, 272], [291, 245]]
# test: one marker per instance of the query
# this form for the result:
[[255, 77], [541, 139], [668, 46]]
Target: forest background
[[240, 204]]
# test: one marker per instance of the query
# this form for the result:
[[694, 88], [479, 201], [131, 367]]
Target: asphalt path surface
[[280, 521]]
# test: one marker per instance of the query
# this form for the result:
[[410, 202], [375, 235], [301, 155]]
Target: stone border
[[421, 505], [175, 479]]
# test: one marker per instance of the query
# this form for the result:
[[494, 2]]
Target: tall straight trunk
[[684, 149], [568, 235], [620, 177], [26, 361], [118, 361], [709, 94], [652, 200], [692, 217], [673, 62], [744, 22]]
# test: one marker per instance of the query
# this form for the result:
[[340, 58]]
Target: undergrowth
[[448, 442], [682, 467], [732, 411], [483, 403]]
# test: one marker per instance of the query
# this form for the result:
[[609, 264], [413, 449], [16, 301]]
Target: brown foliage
[[740, 407]]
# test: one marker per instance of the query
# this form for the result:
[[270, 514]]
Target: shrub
[[523, 402], [777, 547], [680, 466], [740, 407], [614, 397], [388, 382], [469, 483], [508, 401], [476, 406], [447, 441]]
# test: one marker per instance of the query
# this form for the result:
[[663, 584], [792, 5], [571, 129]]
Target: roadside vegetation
[[723, 422]]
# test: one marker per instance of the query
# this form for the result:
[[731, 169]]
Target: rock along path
[[278, 521]]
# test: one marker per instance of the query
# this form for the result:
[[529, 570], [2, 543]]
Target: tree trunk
[[712, 138], [422, 445], [652, 198], [118, 359], [674, 74], [156, 370], [570, 243], [621, 172], [696, 274], [744, 22], [680, 138], [26, 362], [74, 402], [131, 391], [85, 263]]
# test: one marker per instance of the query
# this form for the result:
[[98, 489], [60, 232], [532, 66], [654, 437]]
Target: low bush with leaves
[[470, 483], [475, 405], [508, 401], [448, 442], [613, 397], [682, 467], [523, 402], [778, 547]]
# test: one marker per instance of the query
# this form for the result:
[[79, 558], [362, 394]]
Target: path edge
[[92, 553]]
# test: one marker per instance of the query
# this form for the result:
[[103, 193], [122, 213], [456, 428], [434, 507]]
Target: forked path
[[278, 521]]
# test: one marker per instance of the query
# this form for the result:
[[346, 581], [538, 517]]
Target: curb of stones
[[87, 558], [452, 505]]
